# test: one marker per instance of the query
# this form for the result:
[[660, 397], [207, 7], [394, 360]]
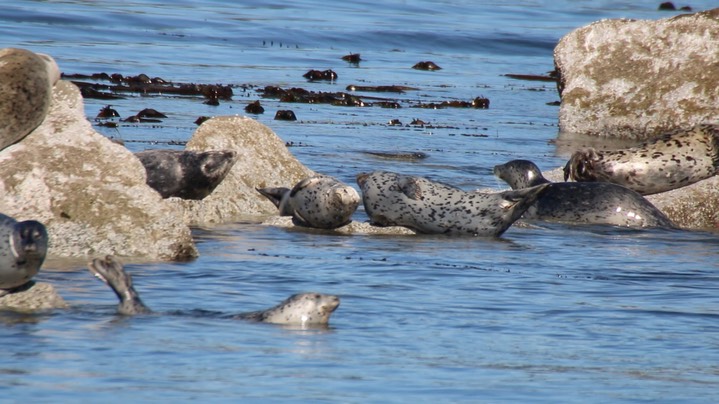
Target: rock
[[88, 191], [637, 79], [39, 296], [351, 228], [263, 161]]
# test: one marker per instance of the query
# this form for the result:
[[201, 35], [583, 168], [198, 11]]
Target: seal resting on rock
[[671, 161], [320, 201], [429, 207], [23, 246], [303, 309], [186, 174], [26, 81], [582, 202]]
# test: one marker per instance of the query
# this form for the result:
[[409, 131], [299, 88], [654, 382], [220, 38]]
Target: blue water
[[545, 314]]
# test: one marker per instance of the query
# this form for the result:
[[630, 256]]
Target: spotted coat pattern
[[582, 202], [430, 207], [671, 161]]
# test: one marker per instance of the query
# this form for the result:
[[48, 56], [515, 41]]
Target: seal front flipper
[[113, 274]]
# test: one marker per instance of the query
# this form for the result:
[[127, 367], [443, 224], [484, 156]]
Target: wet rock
[[285, 115], [88, 191], [316, 75], [263, 161], [352, 58], [38, 296], [254, 108], [351, 228], [426, 65], [636, 79]]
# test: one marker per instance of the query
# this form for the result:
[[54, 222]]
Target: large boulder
[[37, 296], [264, 161], [88, 191], [638, 78]]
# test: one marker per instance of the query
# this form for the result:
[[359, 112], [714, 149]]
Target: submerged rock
[[38, 296], [639, 78]]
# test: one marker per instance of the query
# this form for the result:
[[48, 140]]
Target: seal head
[[23, 247], [186, 174], [302, 309]]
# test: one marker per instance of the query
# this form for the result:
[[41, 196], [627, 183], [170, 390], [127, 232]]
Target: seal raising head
[[320, 201], [429, 207], [186, 174], [582, 202], [23, 246], [671, 161], [304, 309]]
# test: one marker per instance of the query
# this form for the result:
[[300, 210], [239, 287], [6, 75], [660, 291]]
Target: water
[[554, 313]]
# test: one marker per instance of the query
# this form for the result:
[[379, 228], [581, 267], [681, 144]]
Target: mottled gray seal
[[319, 201], [303, 309], [186, 174], [26, 81], [671, 161], [582, 202], [392, 199], [23, 246]]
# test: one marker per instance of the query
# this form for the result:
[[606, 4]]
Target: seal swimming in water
[[429, 207], [304, 309], [671, 161], [186, 174], [582, 202], [320, 201], [26, 82], [23, 246]]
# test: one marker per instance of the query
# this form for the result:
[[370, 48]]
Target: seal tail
[[113, 274]]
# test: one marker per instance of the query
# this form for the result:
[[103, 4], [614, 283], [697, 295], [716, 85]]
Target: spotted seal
[[23, 246], [26, 82], [671, 161], [303, 309], [582, 202], [320, 201], [392, 199], [186, 174]]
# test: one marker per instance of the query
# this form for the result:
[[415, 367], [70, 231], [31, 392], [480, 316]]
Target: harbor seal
[[429, 207], [320, 201], [303, 309], [26, 82], [23, 246], [671, 161], [186, 174], [582, 202]]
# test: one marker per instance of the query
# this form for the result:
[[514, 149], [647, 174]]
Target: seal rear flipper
[[275, 195], [113, 274]]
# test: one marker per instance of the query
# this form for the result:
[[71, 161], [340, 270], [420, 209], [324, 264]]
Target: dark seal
[[186, 174], [582, 202], [23, 246], [674, 160], [429, 207]]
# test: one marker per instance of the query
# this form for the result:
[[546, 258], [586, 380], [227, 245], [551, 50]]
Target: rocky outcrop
[[263, 161], [89, 192], [37, 296], [637, 79]]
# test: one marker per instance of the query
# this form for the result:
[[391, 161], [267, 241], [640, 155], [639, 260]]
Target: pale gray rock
[[88, 191], [39, 296], [639, 78], [263, 161], [353, 227]]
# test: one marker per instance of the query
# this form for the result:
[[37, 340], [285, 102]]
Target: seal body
[[671, 161], [186, 174], [304, 309], [319, 201], [392, 199], [26, 82], [582, 202], [23, 246]]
